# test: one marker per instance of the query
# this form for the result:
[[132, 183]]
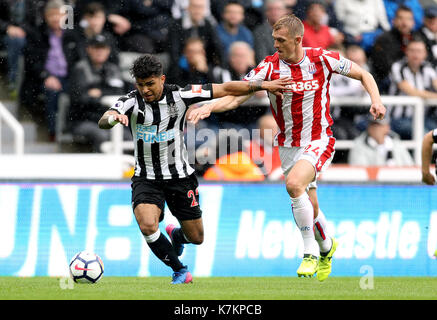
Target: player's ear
[[163, 78], [298, 40]]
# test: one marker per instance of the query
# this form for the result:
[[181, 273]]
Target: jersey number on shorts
[[192, 194], [314, 150]]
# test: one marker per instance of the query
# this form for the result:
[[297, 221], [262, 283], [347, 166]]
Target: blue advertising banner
[[249, 230]]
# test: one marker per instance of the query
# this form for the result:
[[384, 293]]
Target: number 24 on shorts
[[193, 194], [314, 150]]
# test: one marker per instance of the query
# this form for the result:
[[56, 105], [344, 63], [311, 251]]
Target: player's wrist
[[111, 120], [255, 85]]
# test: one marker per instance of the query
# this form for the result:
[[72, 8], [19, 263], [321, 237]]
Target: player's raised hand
[[276, 86], [377, 110]]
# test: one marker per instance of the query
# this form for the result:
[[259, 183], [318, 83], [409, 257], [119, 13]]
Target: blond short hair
[[292, 23]]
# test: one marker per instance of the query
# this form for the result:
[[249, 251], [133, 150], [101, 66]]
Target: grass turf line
[[221, 288]]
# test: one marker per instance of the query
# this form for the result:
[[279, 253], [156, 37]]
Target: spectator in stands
[[197, 68], [299, 8], [413, 76], [263, 152], [91, 79], [428, 140], [231, 29], [317, 32], [428, 33], [391, 7], [91, 24], [379, 146], [233, 164], [274, 9], [111, 7], [363, 20], [253, 10], [347, 118], [180, 7], [13, 33], [390, 47], [143, 25], [45, 66], [194, 24], [241, 60]]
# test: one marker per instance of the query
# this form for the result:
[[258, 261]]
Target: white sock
[[304, 217], [153, 237], [320, 230]]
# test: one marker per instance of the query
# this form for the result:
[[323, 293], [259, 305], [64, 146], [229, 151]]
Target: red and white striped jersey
[[303, 113]]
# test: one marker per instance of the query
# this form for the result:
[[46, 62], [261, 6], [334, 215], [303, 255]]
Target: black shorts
[[181, 195]]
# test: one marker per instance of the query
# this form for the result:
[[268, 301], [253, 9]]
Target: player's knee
[[148, 227], [197, 238], [294, 187]]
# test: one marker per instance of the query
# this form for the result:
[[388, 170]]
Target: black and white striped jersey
[[157, 129], [421, 80]]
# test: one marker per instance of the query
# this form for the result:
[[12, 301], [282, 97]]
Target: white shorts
[[319, 153]]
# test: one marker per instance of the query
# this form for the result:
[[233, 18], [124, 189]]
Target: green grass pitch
[[220, 288]]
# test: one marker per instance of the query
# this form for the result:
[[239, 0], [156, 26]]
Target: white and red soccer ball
[[86, 267]]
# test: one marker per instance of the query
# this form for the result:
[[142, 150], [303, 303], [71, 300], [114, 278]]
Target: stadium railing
[[16, 127], [117, 145]]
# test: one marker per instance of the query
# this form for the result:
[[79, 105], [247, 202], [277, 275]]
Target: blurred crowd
[[83, 49]]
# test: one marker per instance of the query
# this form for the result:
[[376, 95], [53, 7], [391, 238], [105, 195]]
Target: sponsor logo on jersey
[[149, 134], [299, 86]]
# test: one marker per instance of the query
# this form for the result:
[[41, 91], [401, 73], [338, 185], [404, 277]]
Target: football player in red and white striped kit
[[305, 139]]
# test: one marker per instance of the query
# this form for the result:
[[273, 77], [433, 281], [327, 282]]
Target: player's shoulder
[[273, 58], [127, 101], [171, 87], [318, 52], [131, 95]]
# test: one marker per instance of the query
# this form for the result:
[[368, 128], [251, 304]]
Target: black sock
[[178, 236], [163, 249]]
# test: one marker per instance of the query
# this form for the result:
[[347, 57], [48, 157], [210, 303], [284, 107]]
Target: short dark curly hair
[[146, 66]]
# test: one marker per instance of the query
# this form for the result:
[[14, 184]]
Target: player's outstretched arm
[[110, 118], [377, 109], [240, 88], [427, 143], [194, 113]]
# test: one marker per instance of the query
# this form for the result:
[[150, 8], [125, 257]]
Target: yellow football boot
[[325, 262], [308, 267]]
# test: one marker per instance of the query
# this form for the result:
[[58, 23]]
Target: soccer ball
[[86, 267]]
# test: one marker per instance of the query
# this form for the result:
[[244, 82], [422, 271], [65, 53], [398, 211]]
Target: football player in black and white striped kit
[[156, 113]]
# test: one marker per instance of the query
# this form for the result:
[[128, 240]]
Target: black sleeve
[[194, 93]]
